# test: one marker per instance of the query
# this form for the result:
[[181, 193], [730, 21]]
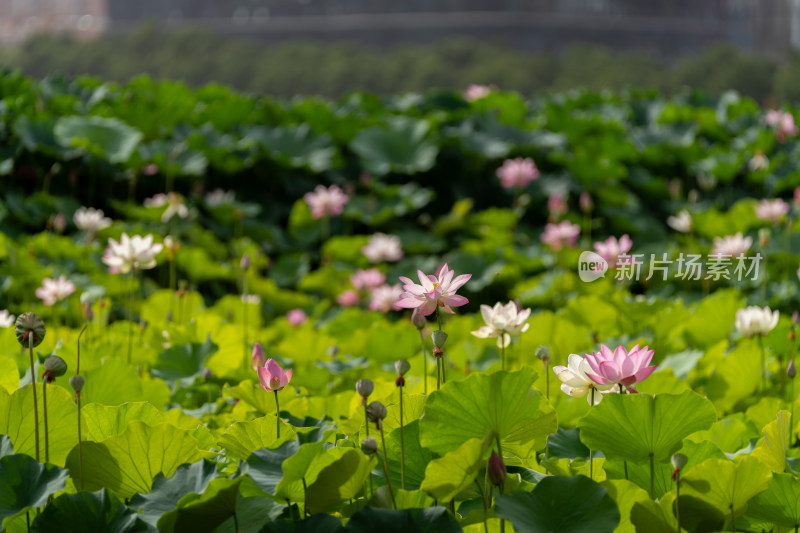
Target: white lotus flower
[[681, 222], [55, 290], [382, 247], [132, 253], [90, 220], [219, 197], [174, 202], [6, 319], [754, 320], [772, 210], [731, 245], [503, 322], [576, 382]]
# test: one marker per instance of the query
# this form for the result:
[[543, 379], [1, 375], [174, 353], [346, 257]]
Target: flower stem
[[438, 372], [402, 445], [46, 437], [277, 415], [244, 319], [763, 364], [130, 318], [78, 401], [591, 461], [791, 411], [35, 403], [485, 506], [386, 467], [678, 501], [366, 426], [652, 477], [733, 520], [502, 352], [305, 499], [424, 362], [547, 380]]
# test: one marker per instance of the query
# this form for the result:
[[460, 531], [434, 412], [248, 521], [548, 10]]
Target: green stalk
[[652, 477], [591, 461], [35, 403], [763, 365], [366, 427], [305, 499], [402, 445], [130, 318], [425, 362], [277, 415], [46, 437], [78, 401], [244, 319], [733, 520], [678, 500], [791, 411], [547, 379], [386, 467], [485, 506], [502, 352], [438, 372]]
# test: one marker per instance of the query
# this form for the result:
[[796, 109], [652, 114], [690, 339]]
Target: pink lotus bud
[[348, 298], [418, 319], [259, 358], [497, 470], [791, 371], [296, 317]]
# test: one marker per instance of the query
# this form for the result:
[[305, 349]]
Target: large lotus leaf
[[725, 485], [168, 491], [772, 450], [403, 499], [428, 520], [564, 504], [736, 376], [203, 512], [108, 138], [127, 463], [62, 422], [112, 383], [243, 438], [184, 362], [502, 402], [302, 467], [648, 516], [626, 494], [780, 503], [449, 475], [103, 421], [293, 146], [338, 481], [417, 458], [98, 512], [712, 320], [6, 448], [9, 374], [318, 523], [567, 443], [264, 465], [401, 146], [634, 427], [25, 482]]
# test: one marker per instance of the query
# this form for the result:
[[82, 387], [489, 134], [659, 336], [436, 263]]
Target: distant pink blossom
[[797, 196], [620, 366], [557, 206], [731, 245], [585, 202], [385, 298], [557, 236], [434, 291], [55, 290], [783, 122], [772, 210], [611, 249], [296, 317], [476, 91], [348, 298], [326, 201], [517, 172], [258, 359], [367, 279], [382, 247]]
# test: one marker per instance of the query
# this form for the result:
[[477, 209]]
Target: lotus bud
[[376, 412], [88, 313], [763, 237], [585, 202], [333, 350], [29, 327], [56, 365], [244, 264], [59, 223], [76, 382], [402, 366], [207, 374], [369, 445], [364, 387], [259, 359], [418, 319], [678, 460], [543, 353], [439, 338], [791, 371], [497, 470]]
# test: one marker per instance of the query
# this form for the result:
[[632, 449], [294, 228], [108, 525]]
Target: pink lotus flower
[[272, 376], [475, 91], [326, 202], [382, 247], [55, 290], [797, 197], [611, 248], [556, 236], [259, 359], [731, 245], [384, 298], [348, 298], [367, 279], [772, 210], [517, 172], [620, 366], [296, 317], [557, 206], [434, 291], [783, 122]]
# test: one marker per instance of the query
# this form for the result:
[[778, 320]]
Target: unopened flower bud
[[585, 202], [88, 312], [439, 338], [678, 460], [207, 373], [29, 327], [56, 365], [76, 382], [795, 318], [364, 387], [543, 353], [59, 223], [244, 264], [369, 445], [402, 366], [333, 350], [791, 371], [258, 358], [497, 470], [763, 237], [376, 412], [418, 319]]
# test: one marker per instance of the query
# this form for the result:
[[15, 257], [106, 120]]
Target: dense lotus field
[[435, 312]]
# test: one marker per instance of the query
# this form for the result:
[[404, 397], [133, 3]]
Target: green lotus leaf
[[103, 421], [772, 450], [402, 146], [502, 402], [417, 458], [203, 512], [564, 504], [264, 465], [100, 512], [302, 467], [318, 523], [626, 494], [449, 475], [9, 374], [428, 520], [635, 427], [25, 482], [338, 481], [127, 463], [243, 438], [780, 503], [184, 363], [108, 138], [6, 448], [112, 383]]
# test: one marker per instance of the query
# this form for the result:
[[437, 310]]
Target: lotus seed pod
[[376, 412], [678, 461], [55, 365], [439, 338], [418, 319], [364, 387], [791, 371], [369, 445], [76, 382], [402, 366], [543, 353], [29, 327]]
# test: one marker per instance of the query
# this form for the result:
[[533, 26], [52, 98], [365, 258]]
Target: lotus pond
[[426, 312]]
